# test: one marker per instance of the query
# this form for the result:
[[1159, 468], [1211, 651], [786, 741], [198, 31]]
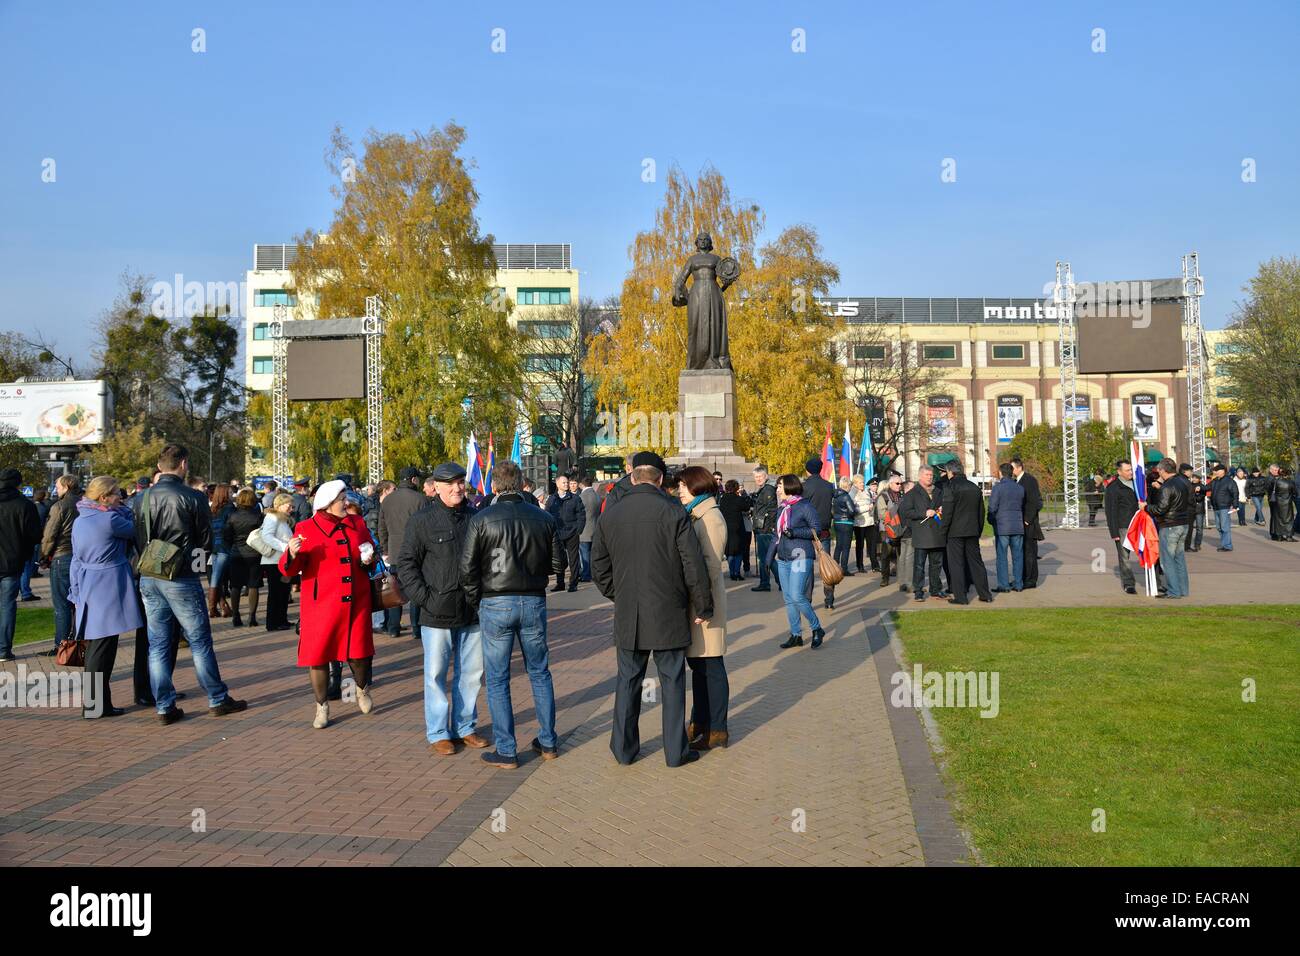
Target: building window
[[1226, 348], [264, 366], [1226, 391], [543, 297], [546, 330], [273, 297], [866, 353], [938, 353], [549, 364], [261, 330], [1008, 351], [257, 454]]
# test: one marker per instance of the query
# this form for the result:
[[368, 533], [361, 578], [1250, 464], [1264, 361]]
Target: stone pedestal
[[706, 404]]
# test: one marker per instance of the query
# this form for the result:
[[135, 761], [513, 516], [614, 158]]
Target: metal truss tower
[[374, 332], [279, 396], [1197, 372], [1063, 297]]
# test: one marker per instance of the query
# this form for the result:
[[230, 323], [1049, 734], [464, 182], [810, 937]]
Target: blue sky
[[170, 161]]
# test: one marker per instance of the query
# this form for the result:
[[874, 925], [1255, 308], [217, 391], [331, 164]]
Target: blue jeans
[[734, 564], [182, 601], [25, 582], [8, 612], [1173, 559], [217, 570], [584, 552], [504, 618], [1258, 517], [796, 579], [442, 645], [60, 581], [1223, 521], [763, 544], [1241, 513], [1016, 542]]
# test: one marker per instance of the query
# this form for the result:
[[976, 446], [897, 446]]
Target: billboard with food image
[[56, 413]]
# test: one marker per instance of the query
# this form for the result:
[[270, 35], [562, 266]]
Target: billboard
[[57, 413], [325, 369], [1151, 342], [1143, 420], [1011, 417], [942, 422]]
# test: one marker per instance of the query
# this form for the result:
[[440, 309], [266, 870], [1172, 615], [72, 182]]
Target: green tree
[[405, 229], [20, 454], [1263, 359], [210, 396], [1039, 446], [136, 357], [126, 454]]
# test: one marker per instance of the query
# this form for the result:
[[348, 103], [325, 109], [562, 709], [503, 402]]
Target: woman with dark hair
[[796, 537], [733, 508], [245, 563], [710, 690], [221, 510]]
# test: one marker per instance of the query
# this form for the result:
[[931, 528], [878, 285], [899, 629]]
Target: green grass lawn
[[34, 623], [1136, 712]]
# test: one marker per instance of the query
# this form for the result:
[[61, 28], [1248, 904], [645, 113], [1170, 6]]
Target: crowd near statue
[[706, 312]]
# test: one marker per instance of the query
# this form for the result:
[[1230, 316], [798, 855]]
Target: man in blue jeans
[[1169, 511], [56, 546], [764, 517], [1223, 498], [20, 533], [1006, 513], [170, 511], [504, 568]]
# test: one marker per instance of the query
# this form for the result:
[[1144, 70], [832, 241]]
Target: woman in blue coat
[[794, 549], [100, 585]]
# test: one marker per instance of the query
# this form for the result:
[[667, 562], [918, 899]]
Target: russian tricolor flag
[[846, 454], [1141, 537], [473, 468], [828, 457], [1139, 471]]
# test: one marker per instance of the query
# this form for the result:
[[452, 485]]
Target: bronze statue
[[706, 313]]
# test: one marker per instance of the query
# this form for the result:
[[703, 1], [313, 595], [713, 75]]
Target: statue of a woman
[[706, 313]]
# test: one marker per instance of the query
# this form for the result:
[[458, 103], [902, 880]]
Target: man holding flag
[[1122, 499], [1169, 510]]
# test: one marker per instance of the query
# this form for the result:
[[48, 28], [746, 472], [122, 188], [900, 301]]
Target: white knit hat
[[326, 494]]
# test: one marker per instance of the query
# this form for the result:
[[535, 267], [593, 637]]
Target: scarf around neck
[[696, 500], [783, 518]]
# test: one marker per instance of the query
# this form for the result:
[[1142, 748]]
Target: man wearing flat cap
[[395, 514], [429, 569], [647, 560]]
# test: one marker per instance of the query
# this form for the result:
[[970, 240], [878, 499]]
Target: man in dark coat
[[301, 506], [20, 533], [570, 515], [395, 513], [963, 517], [920, 509], [429, 570], [1120, 502], [646, 559], [1223, 499], [820, 493], [1033, 531], [764, 517]]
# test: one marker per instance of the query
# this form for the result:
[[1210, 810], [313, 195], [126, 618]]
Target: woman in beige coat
[[710, 692]]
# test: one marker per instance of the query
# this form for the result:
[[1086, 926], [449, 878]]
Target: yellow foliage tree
[[127, 454], [789, 385]]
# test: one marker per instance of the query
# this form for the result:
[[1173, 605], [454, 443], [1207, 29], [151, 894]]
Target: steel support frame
[[1197, 373], [1063, 296], [374, 332], [279, 395]]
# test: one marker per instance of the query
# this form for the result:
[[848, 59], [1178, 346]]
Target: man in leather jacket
[[504, 568], [1168, 508], [764, 518], [172, 512]]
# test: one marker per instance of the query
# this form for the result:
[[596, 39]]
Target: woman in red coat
[[331, 550]]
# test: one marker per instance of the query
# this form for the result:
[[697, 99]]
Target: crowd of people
[[472, 571]]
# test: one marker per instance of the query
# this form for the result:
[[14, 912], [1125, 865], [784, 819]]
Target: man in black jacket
[[20, 533], [1033, 530], [395, 513], [963, 518], [429, 570], [570, 516], [1195, 507], [764, 517], [820, 493], [1223, 499], [1169, 511], [920, 509], [646, 559], [1120, 502], [504, 567], [171, 511]]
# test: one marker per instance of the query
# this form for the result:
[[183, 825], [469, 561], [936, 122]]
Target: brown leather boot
[[718, 738], [212, 603]]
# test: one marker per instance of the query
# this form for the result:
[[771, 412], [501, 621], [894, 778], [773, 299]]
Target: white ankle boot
[[364, 701], [322, 716]]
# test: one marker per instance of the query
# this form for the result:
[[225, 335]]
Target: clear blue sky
[[170, 161]]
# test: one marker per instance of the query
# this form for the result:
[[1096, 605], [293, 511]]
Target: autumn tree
[[788, 384], [1040, 447], [405, 229], [560, 396]]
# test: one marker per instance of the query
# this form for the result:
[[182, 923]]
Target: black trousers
[[277, 597], [101, 654], [1125, 568], [843, 539], [889, 559], [625, 738], [710, 693], [922, 556], [1031, 559], [566, 555], [966, 567], [140, 677], [870, 536]]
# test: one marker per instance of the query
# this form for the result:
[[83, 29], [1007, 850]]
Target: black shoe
[[31, 597], [548, 753], [573, 586], [953, 600], [818, 636], [252, 620], [558, 587], [236, 621], [171, 715], [761, 588], [904, 588], [794, 640], [1002, 590], [689, 757], [146, 702], [1222, 549], [504, 763], [1028, 586], [986, 600], [109, 712], [920, 596], [228, 706], [1130, 590]]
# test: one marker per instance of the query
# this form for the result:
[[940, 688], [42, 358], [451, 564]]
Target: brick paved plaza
[[820, 769]]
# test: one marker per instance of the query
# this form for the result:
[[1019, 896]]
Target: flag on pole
[[491, 463], [1144, 541], [846, 454], [473, 464], [865, 457], [1139, 471], [515, 454], [828, 457]]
